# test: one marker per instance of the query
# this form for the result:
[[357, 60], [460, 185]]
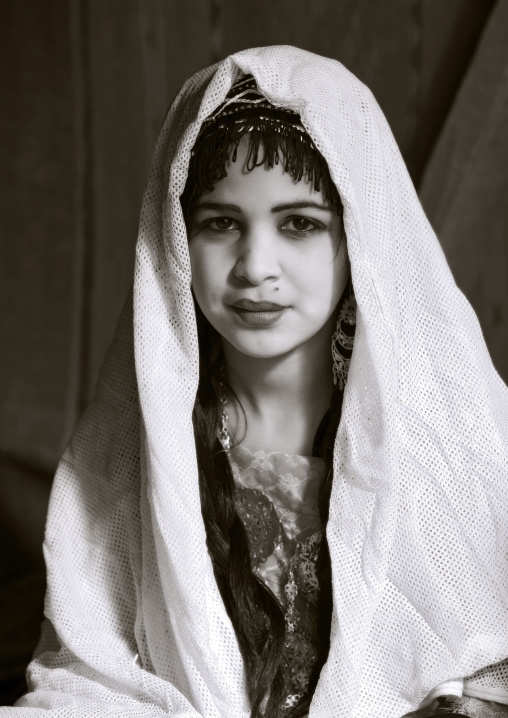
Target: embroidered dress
[[277, 499]]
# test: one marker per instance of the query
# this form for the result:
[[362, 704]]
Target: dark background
[[85, 85]]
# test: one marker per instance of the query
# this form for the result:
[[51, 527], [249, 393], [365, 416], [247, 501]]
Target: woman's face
[[269, 260]]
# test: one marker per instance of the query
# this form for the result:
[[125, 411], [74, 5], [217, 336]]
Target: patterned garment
[[277, 500]]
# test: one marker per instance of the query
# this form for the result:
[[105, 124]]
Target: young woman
[[294, 501]]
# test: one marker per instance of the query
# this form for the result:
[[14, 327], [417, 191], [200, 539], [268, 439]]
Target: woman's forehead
[[262, 188]]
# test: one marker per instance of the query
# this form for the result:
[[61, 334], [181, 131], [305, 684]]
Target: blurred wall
[[87, 83], [465, 185]]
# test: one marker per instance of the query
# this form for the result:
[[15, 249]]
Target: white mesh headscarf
[[418, 518]]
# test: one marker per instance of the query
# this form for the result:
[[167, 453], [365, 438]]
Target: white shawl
[[418, 528]]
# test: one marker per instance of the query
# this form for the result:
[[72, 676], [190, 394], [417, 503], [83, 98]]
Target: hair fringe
[[270, 143]]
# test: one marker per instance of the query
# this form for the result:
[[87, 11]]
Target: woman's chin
[[258, 347], [263, 345]]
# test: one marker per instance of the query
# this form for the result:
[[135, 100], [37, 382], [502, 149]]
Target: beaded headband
[[246, 102], [276, 135]]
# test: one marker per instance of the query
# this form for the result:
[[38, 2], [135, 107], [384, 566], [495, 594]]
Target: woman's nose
[[258, 260]]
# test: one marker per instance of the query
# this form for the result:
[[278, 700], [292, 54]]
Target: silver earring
[[224, 434], [343, 338]]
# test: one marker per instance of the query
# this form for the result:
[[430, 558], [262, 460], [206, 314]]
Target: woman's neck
[[284, 398]]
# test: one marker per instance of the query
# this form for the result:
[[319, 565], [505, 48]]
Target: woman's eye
[[221, 224], [301, 225]]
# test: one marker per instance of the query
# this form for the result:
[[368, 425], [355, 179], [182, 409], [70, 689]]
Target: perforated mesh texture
[[418, 521]]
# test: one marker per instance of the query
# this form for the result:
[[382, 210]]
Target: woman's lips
[[257, 314]]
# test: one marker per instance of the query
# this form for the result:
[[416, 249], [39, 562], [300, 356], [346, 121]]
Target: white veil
[[418, 528]]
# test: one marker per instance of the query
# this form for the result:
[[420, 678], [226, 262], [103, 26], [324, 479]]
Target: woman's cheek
[[207, 274]]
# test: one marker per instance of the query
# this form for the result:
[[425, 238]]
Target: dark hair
[[255, 612]]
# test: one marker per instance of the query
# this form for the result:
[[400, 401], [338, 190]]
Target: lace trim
[[290, 482]]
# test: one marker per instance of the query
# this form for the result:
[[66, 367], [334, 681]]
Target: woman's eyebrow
[[303, 204], [220, 206]]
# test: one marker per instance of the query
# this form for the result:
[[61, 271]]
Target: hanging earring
[[343, 338], [224, 435]]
